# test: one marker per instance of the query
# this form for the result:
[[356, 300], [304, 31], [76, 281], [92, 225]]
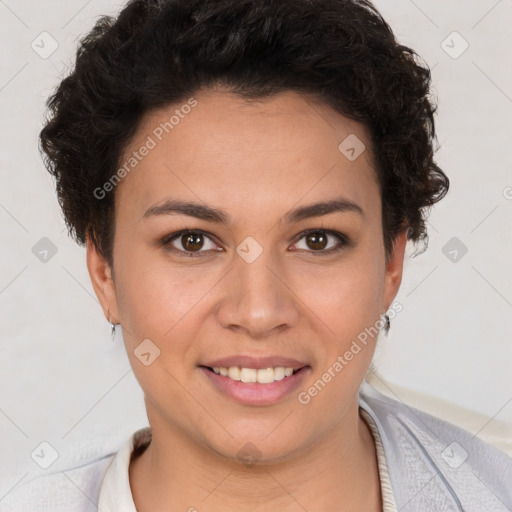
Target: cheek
[[157, 302], [346, 297], [153, 297], [346, 309]]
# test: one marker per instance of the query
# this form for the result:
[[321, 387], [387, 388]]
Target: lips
[[246, 361], [256, 393], [238, 377]]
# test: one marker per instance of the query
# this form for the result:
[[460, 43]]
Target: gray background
[[64, 381]]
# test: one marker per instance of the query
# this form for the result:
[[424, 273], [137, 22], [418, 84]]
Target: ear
[[102, 282], [394, 269]]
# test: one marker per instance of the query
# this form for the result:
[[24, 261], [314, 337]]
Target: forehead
[[252, 155]]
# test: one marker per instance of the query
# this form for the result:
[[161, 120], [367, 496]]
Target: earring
[[387, 325], [112, 330]]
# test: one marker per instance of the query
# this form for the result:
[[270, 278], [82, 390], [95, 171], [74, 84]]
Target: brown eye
[[189, 243], [320, 241], [192, 241], [316, 240]]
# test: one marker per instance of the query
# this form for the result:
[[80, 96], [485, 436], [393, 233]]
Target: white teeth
[[234, 373], [265, 375], [279, 373], [261, 375], [248, 374]]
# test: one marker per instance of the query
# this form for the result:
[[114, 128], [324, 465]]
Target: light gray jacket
[[433, 466]]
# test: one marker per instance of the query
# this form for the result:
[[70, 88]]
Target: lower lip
[[255, 393]]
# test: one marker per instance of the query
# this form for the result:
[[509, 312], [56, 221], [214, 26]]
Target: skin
[[255, 161]]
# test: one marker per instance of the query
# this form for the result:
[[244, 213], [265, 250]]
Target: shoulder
[[70, 485], [432, 462]]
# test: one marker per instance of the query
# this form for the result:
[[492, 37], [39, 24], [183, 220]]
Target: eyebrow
[[210, 214]]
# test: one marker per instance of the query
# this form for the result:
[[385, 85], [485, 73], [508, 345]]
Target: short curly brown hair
[[158, 52]]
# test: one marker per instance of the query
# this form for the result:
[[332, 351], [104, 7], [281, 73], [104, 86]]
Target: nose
[[258, 298]]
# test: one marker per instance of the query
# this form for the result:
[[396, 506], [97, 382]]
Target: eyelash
[[166, 241]]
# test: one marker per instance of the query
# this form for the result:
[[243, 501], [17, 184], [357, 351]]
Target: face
[[262, 274]]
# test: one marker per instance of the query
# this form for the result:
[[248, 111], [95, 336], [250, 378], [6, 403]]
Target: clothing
[[425, 464], [388, 499], [115, 494]]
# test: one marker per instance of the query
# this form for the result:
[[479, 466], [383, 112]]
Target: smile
[[251, 386], [261, 375]]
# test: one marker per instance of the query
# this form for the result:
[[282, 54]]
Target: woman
[[245, 176]]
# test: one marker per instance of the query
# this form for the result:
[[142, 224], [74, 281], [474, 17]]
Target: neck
[[177, 473]]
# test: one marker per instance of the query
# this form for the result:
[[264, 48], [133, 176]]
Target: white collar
[[116, 493]]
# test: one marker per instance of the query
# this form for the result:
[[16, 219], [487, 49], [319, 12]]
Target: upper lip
[[244, 361]]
